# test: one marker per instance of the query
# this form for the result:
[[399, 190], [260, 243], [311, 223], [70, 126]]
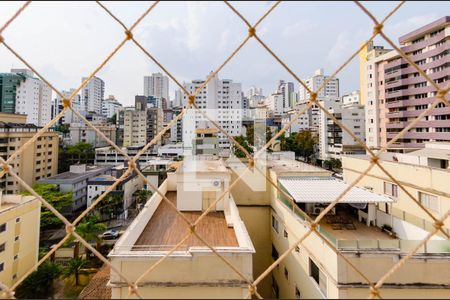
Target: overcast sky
[[66, 41]]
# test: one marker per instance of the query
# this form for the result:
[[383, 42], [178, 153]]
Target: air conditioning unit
[[216, 183], [318, 210]]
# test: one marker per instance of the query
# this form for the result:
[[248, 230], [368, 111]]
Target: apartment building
[[110, 106], [351, 98], [80, 132], [299, 124], [221, 100], [205, 142], [333, 140], [275, 103], [141, 124], [22, 93], [125, 189], [92, 95], [39, 160], [110, 156], [403, 94], [68, 117], [19, 236], [424, 173], [330, 91], [156, 85], [354, 227], [75, 181], [193, 270]]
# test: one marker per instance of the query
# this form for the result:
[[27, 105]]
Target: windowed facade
[[318, 276], [391, 189], [429, 201]]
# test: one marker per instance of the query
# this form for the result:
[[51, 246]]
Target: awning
[[307, 189]]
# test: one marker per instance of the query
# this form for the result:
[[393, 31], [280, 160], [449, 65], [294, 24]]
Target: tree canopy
[[39, 284], [81, 153], [61, 201]]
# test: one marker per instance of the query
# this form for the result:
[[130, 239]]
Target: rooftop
[[167, 228], [287, 165], [306, 189], [195, 166], [10, 201], [69, 177]]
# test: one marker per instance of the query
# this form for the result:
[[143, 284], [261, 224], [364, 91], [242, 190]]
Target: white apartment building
[[333, 140], [275, 103], [92, 95], [33, 98], [110, 106], [69, 117], [331, 91], [156, 85], [351, 98], [255, 96], [302, 122], [107, 156], [221, 101]]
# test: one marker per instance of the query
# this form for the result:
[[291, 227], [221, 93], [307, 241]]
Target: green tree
[[244, 143], [73, 268], [39, 284], [142, 196], [305, 142], [61, 201], [81, 153], [89, 231], [113, 119]]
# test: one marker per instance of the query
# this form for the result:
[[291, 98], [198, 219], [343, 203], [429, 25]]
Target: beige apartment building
[[193, 270], [313, 269], [424, 173], [38, 161], [19, 236]]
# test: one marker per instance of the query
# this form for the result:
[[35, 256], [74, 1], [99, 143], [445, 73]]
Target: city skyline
[[187, 56]]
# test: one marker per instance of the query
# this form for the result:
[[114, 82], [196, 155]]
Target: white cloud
[[296, 29]]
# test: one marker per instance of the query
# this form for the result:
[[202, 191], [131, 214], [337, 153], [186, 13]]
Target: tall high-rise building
[[22, 93], [286, 89], [92, 95], [156, 85], [69, 117], [329, 92], [397, 93], [221, 99]]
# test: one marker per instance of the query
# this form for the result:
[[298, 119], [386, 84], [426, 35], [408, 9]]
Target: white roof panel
[[307, 189]]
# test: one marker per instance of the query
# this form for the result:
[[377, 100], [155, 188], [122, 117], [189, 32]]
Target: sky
[[65, 41]]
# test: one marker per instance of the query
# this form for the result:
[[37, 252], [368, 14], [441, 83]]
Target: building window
[[2, 247], [16, 257], [318, 276], [391, 189], [275, 254], [275, 288], [3, 227], [286, 273], [17, 220], [2, 267], [285, 234], [297, 293], [429, 201], [275, 224], [297, 249], [16, 238]]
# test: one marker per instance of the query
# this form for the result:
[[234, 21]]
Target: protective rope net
[[374, 287]]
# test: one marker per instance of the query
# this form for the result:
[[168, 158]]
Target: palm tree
[[90, 230], [73, 268]]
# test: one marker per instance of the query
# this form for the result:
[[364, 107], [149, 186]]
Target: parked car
[[110, 234]]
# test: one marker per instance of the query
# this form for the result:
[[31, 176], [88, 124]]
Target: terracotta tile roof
[[97, 289]]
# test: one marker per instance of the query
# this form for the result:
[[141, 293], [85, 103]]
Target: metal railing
[[374, 288]]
